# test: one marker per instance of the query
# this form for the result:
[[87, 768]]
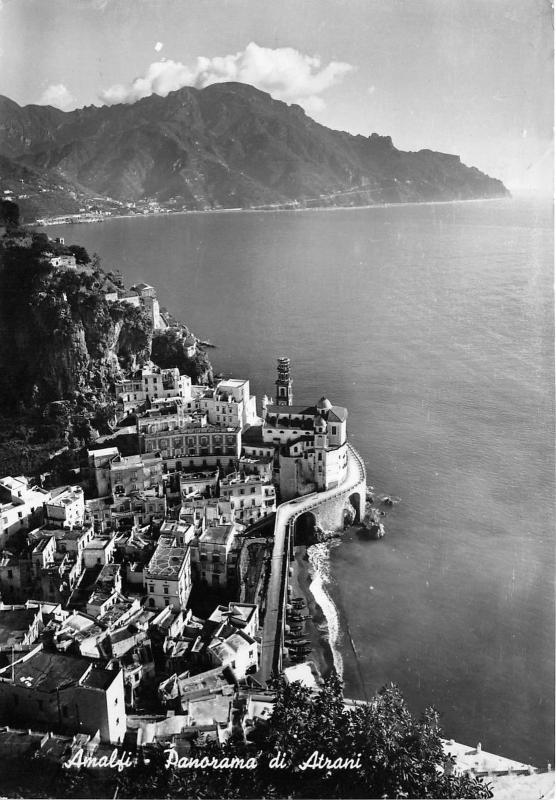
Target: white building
[[99, 551], [168, 575], [153, 383], [230, 403], [312, 443], [197, 484], [135, 473], [195, 445], [99, 465], [66, 506], [216, 565], [63, 261], [251, 496], [49, 690], [239, 651], [18, 502], [244, 616]]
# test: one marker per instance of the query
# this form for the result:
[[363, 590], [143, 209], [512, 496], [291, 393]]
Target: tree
[[81, 255], [9, 213], [375, 749]]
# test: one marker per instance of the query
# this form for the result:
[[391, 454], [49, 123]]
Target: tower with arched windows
[[284, 391]]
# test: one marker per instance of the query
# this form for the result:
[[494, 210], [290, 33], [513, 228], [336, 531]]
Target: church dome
[[324, 404]]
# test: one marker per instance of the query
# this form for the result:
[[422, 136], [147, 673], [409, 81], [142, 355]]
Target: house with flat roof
[[99, 551], [99, 466], [20, 505], [19, 625], [66, 506], [251, 496], [135, 473], [51, 691], [167, 577], [215, 565]]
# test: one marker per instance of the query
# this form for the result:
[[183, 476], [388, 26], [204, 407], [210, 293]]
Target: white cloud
[[158, 46], [57, 95], [284, 72]]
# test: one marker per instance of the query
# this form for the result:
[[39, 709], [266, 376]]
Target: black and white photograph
[[277, 399]]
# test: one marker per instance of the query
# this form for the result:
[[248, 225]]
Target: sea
[[434, 325]]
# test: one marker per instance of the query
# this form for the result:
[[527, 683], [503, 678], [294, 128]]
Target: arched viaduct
[[328, 508]]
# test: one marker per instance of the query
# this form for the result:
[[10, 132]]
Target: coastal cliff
[[63, 345]]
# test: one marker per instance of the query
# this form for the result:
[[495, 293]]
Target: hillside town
[[133, 600]]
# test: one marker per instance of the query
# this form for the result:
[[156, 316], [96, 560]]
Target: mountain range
[[226, 146]]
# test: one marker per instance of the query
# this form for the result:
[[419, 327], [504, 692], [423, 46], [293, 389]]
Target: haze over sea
[[433, 324]]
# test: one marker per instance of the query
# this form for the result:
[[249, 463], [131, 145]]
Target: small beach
[[306, 582]]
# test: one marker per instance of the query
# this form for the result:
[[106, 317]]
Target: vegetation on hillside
[[63, 346], [168, 350]]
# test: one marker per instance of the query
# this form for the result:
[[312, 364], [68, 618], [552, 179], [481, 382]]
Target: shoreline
[[307, 581], [50, 221]]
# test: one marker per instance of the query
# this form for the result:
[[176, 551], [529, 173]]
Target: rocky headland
[[62, 347], [226, 146]]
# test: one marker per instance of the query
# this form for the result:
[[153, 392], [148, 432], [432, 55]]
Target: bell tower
[[284, 391]]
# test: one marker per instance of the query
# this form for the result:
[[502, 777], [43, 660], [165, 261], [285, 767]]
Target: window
[[333, 430], [115, 701], [165, 590], [166, 601], [10, 574], [151, 601], [151, 588]]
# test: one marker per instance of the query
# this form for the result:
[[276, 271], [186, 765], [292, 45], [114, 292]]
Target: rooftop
[[236, 479], [63, 495], [99, 679], [166, 562], [98, 544], [217, 534], [15, 620], [306, 411], [235, 383], [254, 436], [48, 672], [475, 759], [104, 453]]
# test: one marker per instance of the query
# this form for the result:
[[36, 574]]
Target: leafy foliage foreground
[[388, 753]]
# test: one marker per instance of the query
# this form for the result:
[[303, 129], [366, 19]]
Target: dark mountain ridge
[[229, 145]]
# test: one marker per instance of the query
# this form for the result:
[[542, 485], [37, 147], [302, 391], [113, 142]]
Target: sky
[[472, 77]]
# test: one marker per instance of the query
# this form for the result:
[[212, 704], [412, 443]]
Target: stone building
[[51, 691]]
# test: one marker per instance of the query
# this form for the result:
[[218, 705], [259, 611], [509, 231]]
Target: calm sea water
[[433, 324]]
